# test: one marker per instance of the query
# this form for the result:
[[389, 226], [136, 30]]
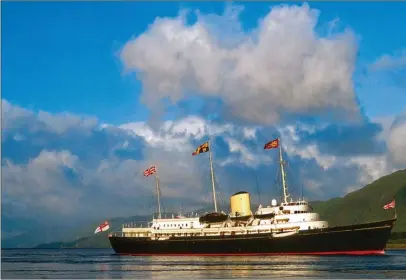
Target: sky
[[95, 92]]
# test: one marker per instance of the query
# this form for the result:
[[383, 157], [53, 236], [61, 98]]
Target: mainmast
[[282, 162], [158, 192], [273, 145], [212, 178], [204, 148]]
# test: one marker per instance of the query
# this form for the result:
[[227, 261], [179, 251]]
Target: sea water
[[104, 263]]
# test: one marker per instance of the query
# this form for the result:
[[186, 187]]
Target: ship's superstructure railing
[[219, 231], [171, 215]]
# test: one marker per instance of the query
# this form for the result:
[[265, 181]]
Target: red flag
[[103, 227], [203, 148], [273, 144], [389, 205], [150, 171]]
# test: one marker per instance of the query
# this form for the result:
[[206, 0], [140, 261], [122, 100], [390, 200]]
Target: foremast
[[152, 170], [158, 194]]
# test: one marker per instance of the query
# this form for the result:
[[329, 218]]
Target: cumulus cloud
[[95, 171], [360, 168], [92, 168], [43, 183], [390, 61], [15, 117], [281, 68], [397, 140]]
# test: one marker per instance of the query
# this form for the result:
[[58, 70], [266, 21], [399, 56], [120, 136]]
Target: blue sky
[[63, 56], [95, 92]]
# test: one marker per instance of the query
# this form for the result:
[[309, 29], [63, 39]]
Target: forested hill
[[366, 204]]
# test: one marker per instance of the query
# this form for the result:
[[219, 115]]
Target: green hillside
[[364, 205], [97, 241]]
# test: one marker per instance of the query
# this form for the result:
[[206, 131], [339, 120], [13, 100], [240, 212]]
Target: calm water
[[103, 263]]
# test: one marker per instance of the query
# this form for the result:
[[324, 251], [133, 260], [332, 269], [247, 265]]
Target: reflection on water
[[218, 267], [105, 264]]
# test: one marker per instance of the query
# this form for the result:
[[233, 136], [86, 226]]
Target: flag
[[150, 171], [389, 205], [103, 227], [273, 144], [201, 149]]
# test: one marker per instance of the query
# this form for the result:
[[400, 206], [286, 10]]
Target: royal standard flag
[[271, 145], [201, 149]]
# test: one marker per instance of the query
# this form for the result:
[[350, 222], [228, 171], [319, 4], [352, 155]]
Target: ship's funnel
[[240, 205]]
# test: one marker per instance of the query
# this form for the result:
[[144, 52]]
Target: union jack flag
[[150, 171], [391, 204]]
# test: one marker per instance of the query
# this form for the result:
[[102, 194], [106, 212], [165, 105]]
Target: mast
[[281, 162], [212, 179], [158, 194]]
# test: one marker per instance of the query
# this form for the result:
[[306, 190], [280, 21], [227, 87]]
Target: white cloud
[[291, 142], [41, 183], [74, 177], [177, 134], [390, 62], [281, 67], [247, 157], [10, 115], [249, 132], [16, 116], [59, 123], [397, 140], [371, 168]]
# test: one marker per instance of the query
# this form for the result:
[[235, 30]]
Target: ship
[[290, 227]]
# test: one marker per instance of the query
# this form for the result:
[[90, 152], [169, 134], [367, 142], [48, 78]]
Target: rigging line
[[290, 170], [258, 191], [277, 180], [222, 200], [219, 188], [161, 183], [162, 201], [219, 191]]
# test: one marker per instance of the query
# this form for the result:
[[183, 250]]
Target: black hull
[[360, 239]]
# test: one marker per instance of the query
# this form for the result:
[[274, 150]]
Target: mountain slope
[[366, 204]]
